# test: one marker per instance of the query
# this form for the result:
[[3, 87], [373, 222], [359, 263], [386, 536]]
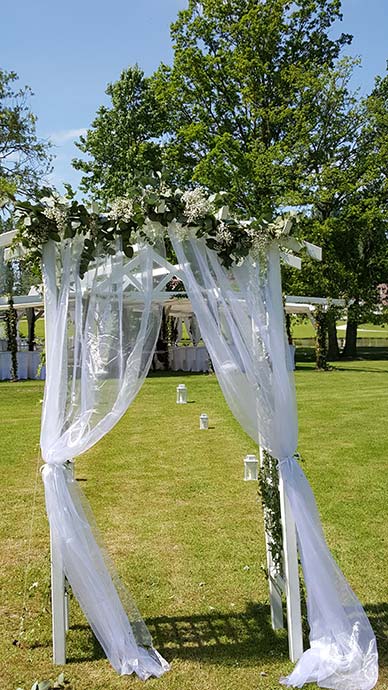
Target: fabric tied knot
[[283, 461], [52, 457]]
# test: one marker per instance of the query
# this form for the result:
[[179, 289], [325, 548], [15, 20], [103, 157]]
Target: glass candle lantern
[[181, 394], [251, 468], [203, 421]]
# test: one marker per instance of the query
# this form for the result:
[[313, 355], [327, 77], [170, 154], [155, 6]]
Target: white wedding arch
[[101, 333]]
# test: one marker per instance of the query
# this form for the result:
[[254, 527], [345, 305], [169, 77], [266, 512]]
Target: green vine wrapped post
[[270, 499], [11, 332]]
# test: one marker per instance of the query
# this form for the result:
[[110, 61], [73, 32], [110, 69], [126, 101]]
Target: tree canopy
[[257, 103], [24, 159], [243, 93], [123, 139]]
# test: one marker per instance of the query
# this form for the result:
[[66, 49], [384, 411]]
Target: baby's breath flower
[[197, 204], [121, 209], [223, 233], [59, 214], [260, 240]]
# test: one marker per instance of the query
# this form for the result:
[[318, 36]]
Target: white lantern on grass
[[203, 421], [251, 468], [181, 394]]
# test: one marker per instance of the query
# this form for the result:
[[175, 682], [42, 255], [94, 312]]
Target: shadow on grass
[[305, 359], [177, 374], [216, 637], [365, 370], [82, 645], [378, 616]]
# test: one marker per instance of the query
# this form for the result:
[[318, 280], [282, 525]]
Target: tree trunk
[[31, 320], [350, 349], [333, 352], [321, 340], [288, 328]]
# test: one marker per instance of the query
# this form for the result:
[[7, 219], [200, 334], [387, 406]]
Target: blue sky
[[68, 51]]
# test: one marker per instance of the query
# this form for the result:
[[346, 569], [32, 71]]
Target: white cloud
[[66, 135]]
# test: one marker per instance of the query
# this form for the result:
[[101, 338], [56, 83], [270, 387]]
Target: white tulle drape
[[101, 333], [240, 315]]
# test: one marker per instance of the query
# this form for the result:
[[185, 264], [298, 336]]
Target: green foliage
[[347, 193], [11, 334], [270, 499], [123, 139], [57, 684], [243, 94], [143, 215], [23, 158], [321, 339]]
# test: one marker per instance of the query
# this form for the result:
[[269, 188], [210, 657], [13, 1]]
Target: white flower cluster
[[223, 233], [121, 209], [197, 204], [59, 214], [260, 240], [268, 232]]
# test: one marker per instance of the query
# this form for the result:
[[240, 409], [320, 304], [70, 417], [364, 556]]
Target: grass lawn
[[185, 531], [305, 329]]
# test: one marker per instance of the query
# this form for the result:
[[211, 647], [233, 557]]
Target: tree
[[123, 138], [368, 213], [241, 93], [347, 191], [24, 159]]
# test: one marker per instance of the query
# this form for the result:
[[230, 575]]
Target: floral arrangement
[[144, 214]]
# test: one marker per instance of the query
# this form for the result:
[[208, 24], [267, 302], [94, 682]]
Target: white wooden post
[[289, 584], [291, 578], [58, 607]]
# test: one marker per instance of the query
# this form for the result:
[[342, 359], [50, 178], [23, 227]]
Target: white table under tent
[[103, 305]]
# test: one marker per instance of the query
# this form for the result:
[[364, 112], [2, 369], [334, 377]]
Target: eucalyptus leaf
[[128, 250], [95, 207], [44, 685], [61, 679]]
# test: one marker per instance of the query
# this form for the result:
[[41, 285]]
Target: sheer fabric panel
[[240, 315], [101, 333]]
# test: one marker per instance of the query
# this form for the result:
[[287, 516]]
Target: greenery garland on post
[[270, 499], [11, 332]]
